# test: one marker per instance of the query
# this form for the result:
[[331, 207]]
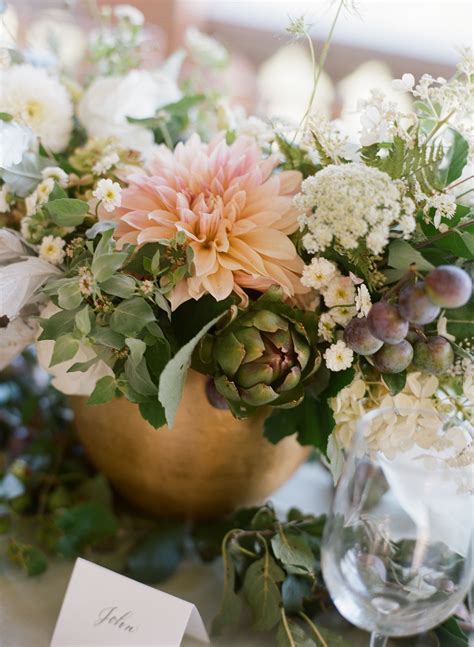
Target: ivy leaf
[[65, 348], [295, 589], [156, 556], [262, 592], [312, 420], [85, 524], [104, 390], [104, 266], [23, 178], [120, 285], [173, 377], [58, 324], [395, 382], [231, 606], [131, 316], [292, 550], [291, 634], [69, 296], [67, 212], [153, 413]]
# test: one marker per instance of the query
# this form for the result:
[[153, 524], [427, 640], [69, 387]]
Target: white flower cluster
[[206, 50], [329, 135], [444, 205], [381, 120], [350, 204]]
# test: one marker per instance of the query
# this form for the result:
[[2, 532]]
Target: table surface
[[29, 606]]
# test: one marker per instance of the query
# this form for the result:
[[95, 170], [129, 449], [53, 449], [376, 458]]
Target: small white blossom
[[4, 202], [405, 84], [318, 273], [51, 250], [109, 193], [339, 292], [86, 281], [57, 174], [363, 302], [381, 120], [407, 225], [326, 325], [338, 356], [129, 13], [31, 203], [343, 314], [43, 190], [105, 163]]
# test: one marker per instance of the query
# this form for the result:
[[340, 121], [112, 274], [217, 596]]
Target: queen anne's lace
[[348, 204]]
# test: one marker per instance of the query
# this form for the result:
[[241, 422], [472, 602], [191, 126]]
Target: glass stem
[[377, 640]]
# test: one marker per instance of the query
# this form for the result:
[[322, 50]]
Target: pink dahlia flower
[[235, 212]]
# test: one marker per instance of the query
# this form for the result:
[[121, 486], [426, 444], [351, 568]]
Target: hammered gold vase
[[209, 464]]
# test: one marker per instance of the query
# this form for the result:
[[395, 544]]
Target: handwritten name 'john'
[[111, 616]]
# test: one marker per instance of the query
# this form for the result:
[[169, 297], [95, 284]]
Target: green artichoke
[[263, 356]]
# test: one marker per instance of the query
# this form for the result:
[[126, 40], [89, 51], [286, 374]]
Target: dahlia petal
[[270, 242], [290, 182], [220, 284], [204, 258]]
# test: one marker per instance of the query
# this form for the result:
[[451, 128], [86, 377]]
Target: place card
[[104, 608]]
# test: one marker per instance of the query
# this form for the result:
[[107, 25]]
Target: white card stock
[[104, 608]]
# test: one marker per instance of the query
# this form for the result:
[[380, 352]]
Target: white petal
[[14, 338], [11, 247], [20, 281]]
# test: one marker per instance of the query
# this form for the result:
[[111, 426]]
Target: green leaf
[[192, 316], [395, 382], [67, 212], [57, 192], [457, 243], [231, 605], [58, 324], [173, 377], [104, 266], [131, 316], [65, 348], [157, 356], [69, 296], [104, 390], [153, 413], [157, 555], [106, 337], [32, 560], [461, 322], [85, 524], [292, 634], [451, 634], [312, 420], [137, 348], [457, 158], [23, 178], [338, 380], [83, 320], [120, 285], [139, 379], [262, 592], [295, 589], [292, 550], [401, 255], [5, 116]]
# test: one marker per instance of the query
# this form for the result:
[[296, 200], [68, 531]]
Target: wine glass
[[397, 551]]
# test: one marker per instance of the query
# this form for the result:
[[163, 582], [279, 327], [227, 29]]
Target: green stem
[[314, 629], [166, 136], [425, 243], [439, 125], [317, 71]]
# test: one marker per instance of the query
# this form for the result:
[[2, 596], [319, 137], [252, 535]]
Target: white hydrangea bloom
[[318, 273], [110, 194], [405, 84], [349, 203], [38, 101], [338, 356], [381, 120], [52, 250], [348, 407], [340, 291]]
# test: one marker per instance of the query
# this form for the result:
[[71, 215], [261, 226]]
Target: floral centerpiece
[[302, 275]]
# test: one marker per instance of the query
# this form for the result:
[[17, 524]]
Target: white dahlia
[[39, 101]]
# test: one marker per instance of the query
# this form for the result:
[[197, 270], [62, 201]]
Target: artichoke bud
[[230, 353], [267, 321]]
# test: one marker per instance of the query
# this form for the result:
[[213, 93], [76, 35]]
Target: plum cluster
[[389, 335]]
